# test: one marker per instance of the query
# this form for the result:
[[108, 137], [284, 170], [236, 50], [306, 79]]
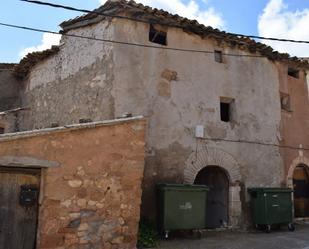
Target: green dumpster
[[181, 207], [272, 206]]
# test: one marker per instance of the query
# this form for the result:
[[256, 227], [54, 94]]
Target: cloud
[[277, 21], [190, 10], [48, 40]]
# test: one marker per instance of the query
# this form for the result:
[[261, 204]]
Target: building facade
[[294, 126], [214, 113]]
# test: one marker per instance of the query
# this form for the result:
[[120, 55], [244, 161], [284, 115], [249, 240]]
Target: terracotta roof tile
[[7, 65], [22, 69], [145, 13], [148, 14]]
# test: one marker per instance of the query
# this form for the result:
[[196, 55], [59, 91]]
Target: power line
[[125, 43], [255, 143], [88, 11], [154, 22], [166, 48]]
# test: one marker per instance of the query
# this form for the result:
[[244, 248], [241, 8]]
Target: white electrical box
[[199, 131]]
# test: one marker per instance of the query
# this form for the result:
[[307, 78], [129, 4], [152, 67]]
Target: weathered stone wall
[[73, 84], [9, 96], [9, 85], [92, 200], [175, 90], [9, 122], [179, 90]]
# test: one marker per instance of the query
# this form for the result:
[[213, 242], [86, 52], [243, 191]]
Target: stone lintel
[[27, 162]]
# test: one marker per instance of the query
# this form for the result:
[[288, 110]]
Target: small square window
[[293, 72], [218, 56], [226, 109], [157, 36], [285, 102]]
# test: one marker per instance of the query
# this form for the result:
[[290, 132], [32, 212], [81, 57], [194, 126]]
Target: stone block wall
[[10, 87], [92, 199]]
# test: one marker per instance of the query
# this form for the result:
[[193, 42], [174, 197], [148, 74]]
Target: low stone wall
[[92, 198]]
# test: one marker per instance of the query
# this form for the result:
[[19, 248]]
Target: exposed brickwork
[[92, 200], [296, 162], [207, 156]]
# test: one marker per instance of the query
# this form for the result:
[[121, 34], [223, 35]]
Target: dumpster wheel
[[268, 228], [291, 227]]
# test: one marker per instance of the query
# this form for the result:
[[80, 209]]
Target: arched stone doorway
[[206, 157], [297, 161], [217, 199], [297, 170], [301, 191]]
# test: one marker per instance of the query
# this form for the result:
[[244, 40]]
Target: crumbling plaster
[[9, 97], [8, 122], [195, 92], [9, 94], [73, 84], [190, 97]]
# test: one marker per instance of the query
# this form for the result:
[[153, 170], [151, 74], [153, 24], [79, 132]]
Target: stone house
[[214, 114]]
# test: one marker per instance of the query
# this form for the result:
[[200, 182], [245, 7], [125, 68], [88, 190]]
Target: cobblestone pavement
[[281, 239]]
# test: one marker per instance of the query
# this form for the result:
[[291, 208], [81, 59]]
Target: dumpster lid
[[182, 187], [270, 190]]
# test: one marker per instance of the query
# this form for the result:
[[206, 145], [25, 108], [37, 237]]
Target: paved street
[[282, 239]]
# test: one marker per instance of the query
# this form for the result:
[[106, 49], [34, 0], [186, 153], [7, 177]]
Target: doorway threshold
[[303, 220]]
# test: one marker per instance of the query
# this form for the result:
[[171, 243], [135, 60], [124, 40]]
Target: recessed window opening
[[157, 36], [1, 130], [226, 109], [218, 56], [293, 72], [285, 102]]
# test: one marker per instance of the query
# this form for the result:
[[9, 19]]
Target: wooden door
[[217, 199], [19, 191], [301, 191]]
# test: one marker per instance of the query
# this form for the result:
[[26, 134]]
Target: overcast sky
[[273, 18]]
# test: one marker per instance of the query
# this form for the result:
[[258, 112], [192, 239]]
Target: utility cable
[[156, 22], [156, 47], [125, 43], [255, 143]]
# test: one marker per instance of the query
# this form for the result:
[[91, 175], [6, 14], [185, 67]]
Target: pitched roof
[[30, 60], [152, 15], [7, 66]]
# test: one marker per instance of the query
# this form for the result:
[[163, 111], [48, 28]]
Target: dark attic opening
[[157, 36], [293, 72]]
